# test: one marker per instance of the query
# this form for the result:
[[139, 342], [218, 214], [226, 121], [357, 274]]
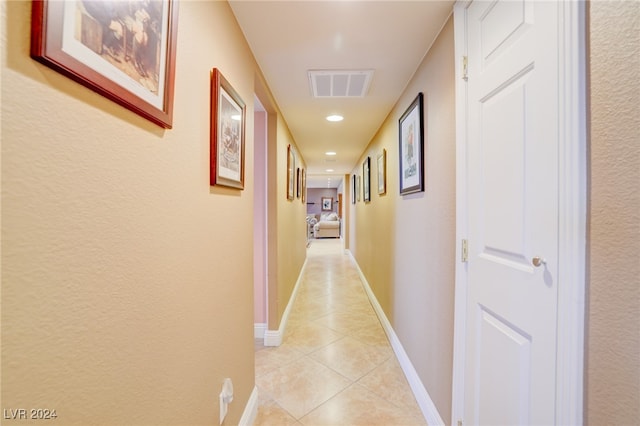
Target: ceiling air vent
[[340, 83]]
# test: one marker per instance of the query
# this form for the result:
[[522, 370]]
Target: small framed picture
[[411, 146], [366, 179], [354, 189], [304, 185], [382, 172], [327, 204], [291, 176], [227, 133]]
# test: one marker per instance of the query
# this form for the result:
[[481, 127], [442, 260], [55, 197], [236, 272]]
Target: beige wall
[[291, 229], [405, 245], [613, 320], [127, 282]]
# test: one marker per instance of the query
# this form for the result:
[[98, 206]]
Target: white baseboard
[[428, 408], [274, 337], [250, 410], [259, 330]]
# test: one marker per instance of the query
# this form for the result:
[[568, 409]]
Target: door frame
[[260, 219], [572, 203]]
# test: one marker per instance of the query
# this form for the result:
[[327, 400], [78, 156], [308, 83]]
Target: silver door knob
[[537, 261]]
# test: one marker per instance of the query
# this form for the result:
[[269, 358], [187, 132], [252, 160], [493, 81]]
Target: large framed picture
[[227, 133], [291, 176], [327, 204], [382, 172], [123, 50], [411, 146], [366, 179]]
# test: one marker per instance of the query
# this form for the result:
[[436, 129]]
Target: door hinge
[[465, 68], [465, 251]]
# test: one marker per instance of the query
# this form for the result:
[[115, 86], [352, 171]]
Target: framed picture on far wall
[[227, 133], [366, 179], [354, 189], [382, 172], [291, 176], [126, 54], [327, 204], [304, 185], [411, 147]]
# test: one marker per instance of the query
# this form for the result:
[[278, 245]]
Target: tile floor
[[335, 365]]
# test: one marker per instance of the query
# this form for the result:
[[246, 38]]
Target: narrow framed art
[[227, 133], [382, 172], [366, 179], [354, 189], [411, 147], [304, 185], [291, 176], [123, 50]]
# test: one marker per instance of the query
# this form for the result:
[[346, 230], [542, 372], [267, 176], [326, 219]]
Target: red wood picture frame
[[121, 50], [228, 113]]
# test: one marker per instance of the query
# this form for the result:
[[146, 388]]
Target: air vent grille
[[340, 83]]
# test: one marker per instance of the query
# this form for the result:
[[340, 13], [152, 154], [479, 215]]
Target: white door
[[512, 146]]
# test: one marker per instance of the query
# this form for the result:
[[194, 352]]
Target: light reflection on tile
[[335, 366], [301, 386], [351, 358], [358, 406]]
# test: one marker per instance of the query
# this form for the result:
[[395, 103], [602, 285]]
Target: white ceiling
[[291, 38]]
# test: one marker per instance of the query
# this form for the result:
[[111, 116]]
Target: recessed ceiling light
[[329, 170], [330, 153], [335, 117]]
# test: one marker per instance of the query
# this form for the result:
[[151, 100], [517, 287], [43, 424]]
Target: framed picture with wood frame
[[354, 189], [411, 147], [304, 185], [366, 179], [125, 51], [291, 176], [227, 133], [382, 172]]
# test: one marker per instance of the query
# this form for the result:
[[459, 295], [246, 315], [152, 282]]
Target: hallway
[[335, 366]]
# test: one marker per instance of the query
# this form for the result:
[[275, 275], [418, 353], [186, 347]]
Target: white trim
[[572, 196], [250, 410], [460, 292], [274, 337], [259, 330], [572, 204], [428, 408]]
